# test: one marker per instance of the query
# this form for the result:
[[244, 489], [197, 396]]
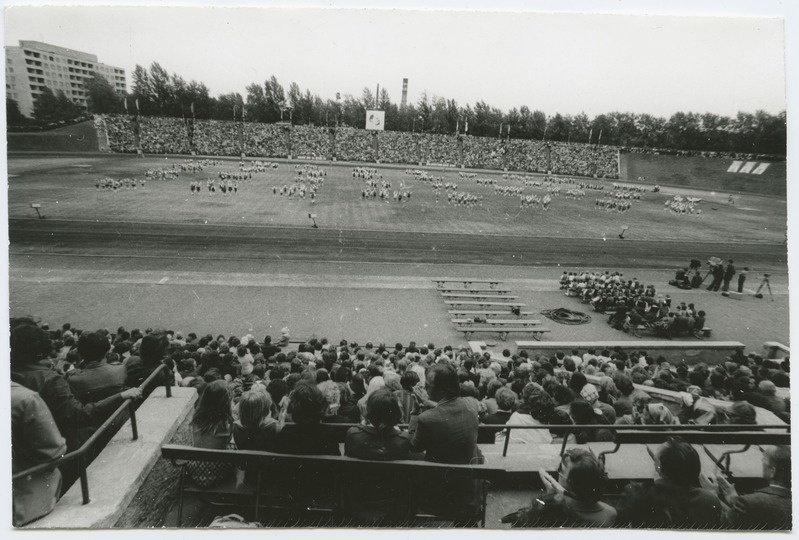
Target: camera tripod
[[767, 284]]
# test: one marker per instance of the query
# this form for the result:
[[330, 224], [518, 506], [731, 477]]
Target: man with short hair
[[506, 399], [447, 433], [97, 379], [765, 509]]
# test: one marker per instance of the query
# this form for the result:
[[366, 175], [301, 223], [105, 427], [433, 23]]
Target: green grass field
[[65, 187]]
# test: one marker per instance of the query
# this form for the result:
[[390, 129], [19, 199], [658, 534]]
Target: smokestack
[[404, 101]]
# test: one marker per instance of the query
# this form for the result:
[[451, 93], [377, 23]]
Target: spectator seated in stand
[[211, 427], [573, 500], [96, 379], [35, 439], [31, 367], [675, 500], [307, 435], [766, 509]]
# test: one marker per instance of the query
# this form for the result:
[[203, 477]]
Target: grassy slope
[[707, 173], [80, 137]]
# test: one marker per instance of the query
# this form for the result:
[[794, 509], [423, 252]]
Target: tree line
[[156, 92]]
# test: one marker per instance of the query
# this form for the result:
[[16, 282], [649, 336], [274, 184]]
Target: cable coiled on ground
[[566, 316]]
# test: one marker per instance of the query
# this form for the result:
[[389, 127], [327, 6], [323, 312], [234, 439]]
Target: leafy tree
[[50, 107], [13, 115], [100, 95]]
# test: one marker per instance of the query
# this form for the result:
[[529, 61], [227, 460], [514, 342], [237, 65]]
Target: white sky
[[564, 63]]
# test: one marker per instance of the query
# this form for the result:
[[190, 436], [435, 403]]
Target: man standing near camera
[[742, 279], [729, 272], [718, 275]]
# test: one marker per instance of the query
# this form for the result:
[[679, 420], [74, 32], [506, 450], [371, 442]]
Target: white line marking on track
[[163, 280]]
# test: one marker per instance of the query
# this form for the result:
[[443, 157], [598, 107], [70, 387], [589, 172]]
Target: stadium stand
[[275, 403], [225, 138]]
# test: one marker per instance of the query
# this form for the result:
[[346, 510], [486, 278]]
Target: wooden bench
[[478, 296], [536, 331], [484, 303], [745, 438], [498, 290], [415, 477], [467, 282], [498, 322], [459, 313]]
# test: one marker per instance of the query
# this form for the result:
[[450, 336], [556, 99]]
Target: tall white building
[[34, 65]]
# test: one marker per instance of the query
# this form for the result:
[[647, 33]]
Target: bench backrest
[[341, 464], [704, 437]]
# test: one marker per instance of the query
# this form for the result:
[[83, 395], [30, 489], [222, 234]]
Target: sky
[[567, 63]]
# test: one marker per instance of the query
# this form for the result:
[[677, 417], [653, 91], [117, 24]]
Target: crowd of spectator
[[483, 153], [308, 142], [440, 150], [354, 144], [265, 140], [528, 156], [259, 395], [584, 159], [119, 131], [213, 137], [398, 147], [166, 135]]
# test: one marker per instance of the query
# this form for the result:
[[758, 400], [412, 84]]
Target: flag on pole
[[599, 140], [234, 113], [466, 129], [590, 133], [192, 108], [457, 126], [137, 105], [126, 105], [500, 130], [509, 131]]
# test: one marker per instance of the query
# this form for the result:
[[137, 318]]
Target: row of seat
[[486, 310], [715, 447]]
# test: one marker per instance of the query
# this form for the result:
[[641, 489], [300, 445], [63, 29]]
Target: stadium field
[[65, 187], [251, 262]]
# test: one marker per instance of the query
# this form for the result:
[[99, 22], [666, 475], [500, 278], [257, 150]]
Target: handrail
[[80, 453]]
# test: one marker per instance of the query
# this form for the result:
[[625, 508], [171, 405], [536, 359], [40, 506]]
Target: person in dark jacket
[[31, 367], [151, 355], [729, 272], [307, 435], [675, 500], [372, 499], [765, 509], [718, 276], [96, 379], [447, 433]]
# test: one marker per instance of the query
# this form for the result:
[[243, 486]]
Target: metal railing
[[567, 429], [81, 454]]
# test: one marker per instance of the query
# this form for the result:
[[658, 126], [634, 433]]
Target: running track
[[306, 244]]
